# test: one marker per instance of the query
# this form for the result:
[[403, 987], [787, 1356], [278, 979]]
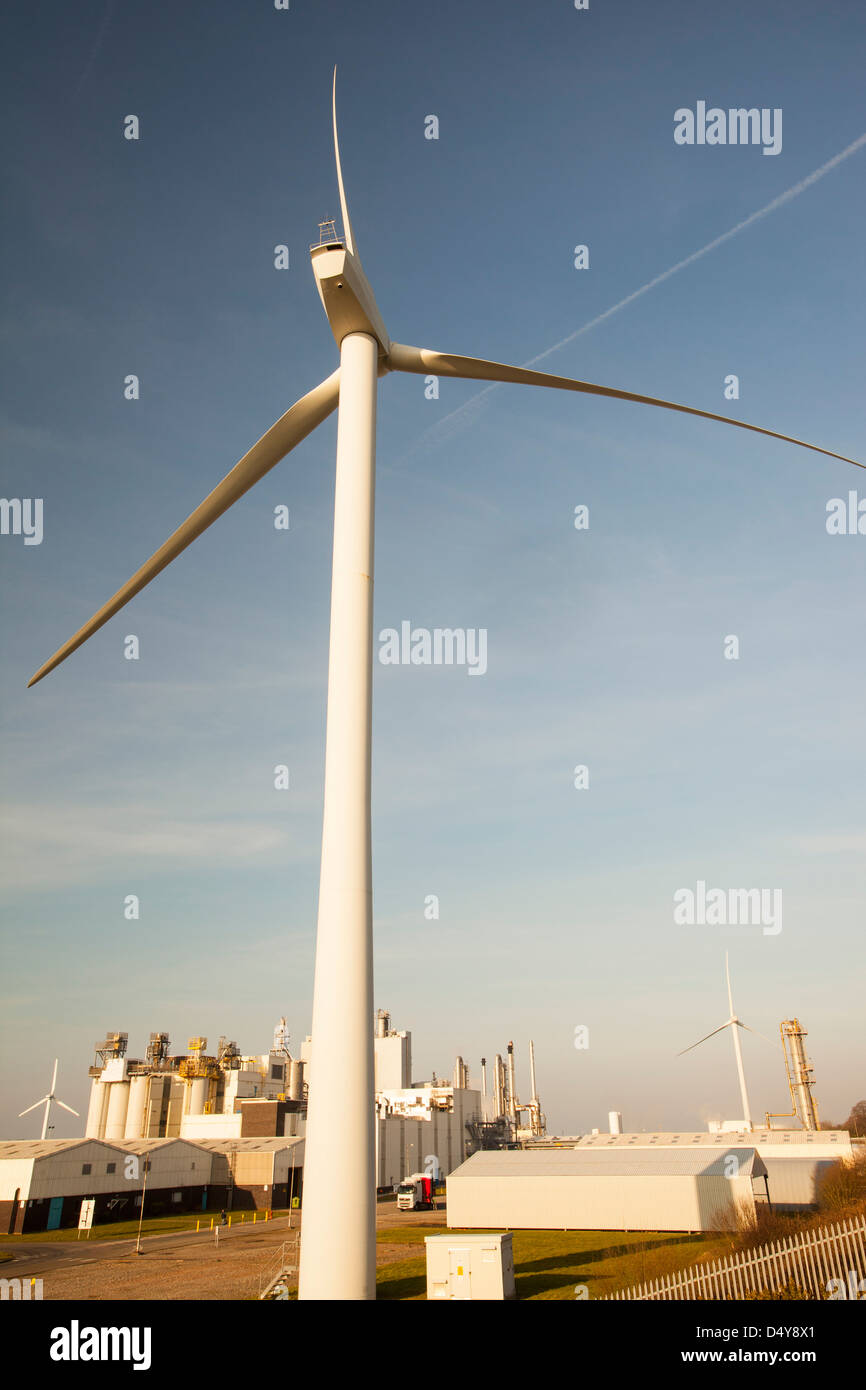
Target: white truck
[[414, 1192]]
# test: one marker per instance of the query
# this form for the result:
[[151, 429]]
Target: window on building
[[85, 1169], [177, 1196], [111, 1167]]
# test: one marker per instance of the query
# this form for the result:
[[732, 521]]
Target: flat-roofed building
[[611, 1189]]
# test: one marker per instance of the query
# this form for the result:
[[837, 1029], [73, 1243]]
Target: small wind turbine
[[733, 1023], [339, 1239], [46, 1101]]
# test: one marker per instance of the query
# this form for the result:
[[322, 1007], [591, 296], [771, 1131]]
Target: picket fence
[[826, 1262]]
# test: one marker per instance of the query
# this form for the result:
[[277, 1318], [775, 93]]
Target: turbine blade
[[344, 207], [728, 975], [67, 1107], [32, 1107], [289, 430], [427, 363], [702, 1040], [758, 1034]]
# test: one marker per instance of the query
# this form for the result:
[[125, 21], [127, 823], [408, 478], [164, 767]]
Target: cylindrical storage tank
[[614, 1120], [296, 1080], [459, 1074], [138, 1092], [118, 1104], [197, 1090], [95, 1127]]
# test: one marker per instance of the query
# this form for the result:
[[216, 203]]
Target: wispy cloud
[[49, 846]]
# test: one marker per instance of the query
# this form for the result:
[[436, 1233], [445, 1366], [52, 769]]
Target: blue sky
[[605, 647]]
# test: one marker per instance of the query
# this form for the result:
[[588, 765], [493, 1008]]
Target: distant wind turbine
[[46, 1101], [338, 1249], [733, 1023]]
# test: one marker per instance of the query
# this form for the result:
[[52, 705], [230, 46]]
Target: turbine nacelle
[[346, 294]]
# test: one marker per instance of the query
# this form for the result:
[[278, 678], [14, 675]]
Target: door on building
[[55, 1211], [459, 1281], [13, 1215]]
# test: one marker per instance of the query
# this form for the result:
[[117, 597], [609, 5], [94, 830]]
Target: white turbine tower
[[338, 1245], [733, 1023], [46, 1101]]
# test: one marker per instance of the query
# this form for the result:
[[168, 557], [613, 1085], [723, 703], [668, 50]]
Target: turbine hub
[[345, 292]]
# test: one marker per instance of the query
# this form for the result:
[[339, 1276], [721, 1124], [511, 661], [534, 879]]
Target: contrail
[[100, 34], [448, 425]]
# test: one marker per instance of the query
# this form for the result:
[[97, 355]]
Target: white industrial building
[[794, 1158], [606, 1189], [428, 1129], [43, 1181]]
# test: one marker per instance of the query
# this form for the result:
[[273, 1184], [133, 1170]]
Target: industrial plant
[[206, 1128], [223, 1127]]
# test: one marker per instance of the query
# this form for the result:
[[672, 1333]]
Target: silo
[[614, 1121], [197, 1095], [118, 1104], [296, 1080], [95, 1127], [139, 1090], [459, 1074]]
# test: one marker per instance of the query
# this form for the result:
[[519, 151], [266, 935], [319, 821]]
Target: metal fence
[[282, 1262], [830, 1262]]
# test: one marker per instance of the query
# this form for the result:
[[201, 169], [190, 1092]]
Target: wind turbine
[[46, 1101], [338, 1246], [733, 1023]]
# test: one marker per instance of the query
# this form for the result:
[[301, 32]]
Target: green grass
[[151, 1226], [549, 1264]]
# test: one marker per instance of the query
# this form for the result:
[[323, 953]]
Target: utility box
[[470, 1266]]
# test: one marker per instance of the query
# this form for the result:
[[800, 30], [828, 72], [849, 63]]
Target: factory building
[[255, 1174], [794, 1158], [607, 1189], [194, 1095], [428, 1129], [43, 1182]]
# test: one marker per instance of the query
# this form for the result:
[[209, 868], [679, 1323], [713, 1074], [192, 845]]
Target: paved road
[[41, 1257]]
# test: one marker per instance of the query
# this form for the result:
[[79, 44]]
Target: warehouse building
[[43, 1182], [610, 1189], [795, 1159], [255, 1174]]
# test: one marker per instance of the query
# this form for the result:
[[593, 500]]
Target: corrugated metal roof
[[38, 1148], [266, 1144], [703, 1139], [613, 1162]]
